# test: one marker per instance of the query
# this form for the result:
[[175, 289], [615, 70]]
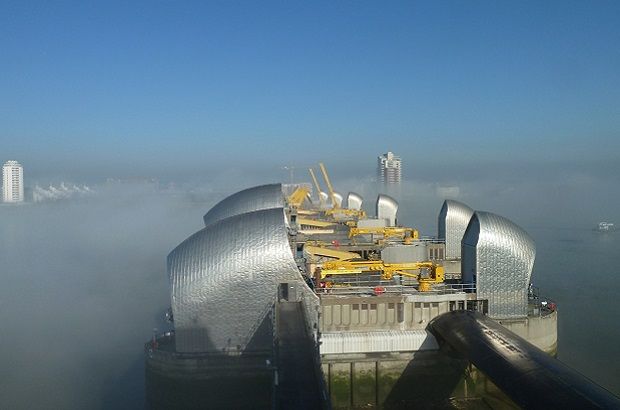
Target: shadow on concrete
[[299, 385], [429, 382]]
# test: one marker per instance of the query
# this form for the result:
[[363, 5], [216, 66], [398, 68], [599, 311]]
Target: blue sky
[[146, 87]]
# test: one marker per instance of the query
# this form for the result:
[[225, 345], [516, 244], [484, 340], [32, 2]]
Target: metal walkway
[[529, 376]]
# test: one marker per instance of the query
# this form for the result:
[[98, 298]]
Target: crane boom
[[317, 186], [329, 186]]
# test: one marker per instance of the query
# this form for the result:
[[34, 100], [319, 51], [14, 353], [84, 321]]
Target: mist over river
[[84, 284]]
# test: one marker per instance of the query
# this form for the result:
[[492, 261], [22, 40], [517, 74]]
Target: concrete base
[[541, 331], [198, 381], [428, 379]]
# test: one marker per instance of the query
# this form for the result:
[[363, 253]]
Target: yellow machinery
[[387, 270], [297, 198], [407, 234]]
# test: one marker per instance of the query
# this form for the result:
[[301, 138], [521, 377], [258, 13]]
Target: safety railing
[[538, 304], [375, 284]]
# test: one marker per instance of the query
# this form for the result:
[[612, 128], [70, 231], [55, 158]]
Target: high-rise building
[[12, 182], [389, 168]]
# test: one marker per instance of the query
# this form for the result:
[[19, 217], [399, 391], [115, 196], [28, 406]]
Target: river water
[[578, 268], [84, 284]]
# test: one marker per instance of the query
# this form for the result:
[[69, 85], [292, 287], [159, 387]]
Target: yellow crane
[[317, 186], [335, 204], [436, 272], [408, 235], [297, 198], [336, 209]]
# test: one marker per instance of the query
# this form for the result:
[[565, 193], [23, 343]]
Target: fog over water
[[84, 280], [84, 284]]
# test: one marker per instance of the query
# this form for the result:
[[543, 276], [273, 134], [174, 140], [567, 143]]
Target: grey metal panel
[[452, 222], [249, 200], [372, 223], [498, 257], [354, 201], [224, 280], [387, 207], [377, 341], [416, 252]]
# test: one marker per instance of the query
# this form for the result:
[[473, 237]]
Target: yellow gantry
[[314, 223], [407, 234], [330, 253]]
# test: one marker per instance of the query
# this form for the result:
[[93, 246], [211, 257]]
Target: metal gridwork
[[354, 201], [249, 200], [452, 222], [387, 207], [498, 256], [224, 279]]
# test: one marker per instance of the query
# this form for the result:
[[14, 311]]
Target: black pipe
[[529, 376]]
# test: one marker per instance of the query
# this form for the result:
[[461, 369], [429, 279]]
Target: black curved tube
[[529, 376]]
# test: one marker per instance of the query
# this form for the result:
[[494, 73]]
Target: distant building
[[389, 168], [12, 182]]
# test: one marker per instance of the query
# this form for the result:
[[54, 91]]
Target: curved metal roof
[[452, 222], [249, 200], [387, 207], [354, 201], [498, 256], [224, 280]]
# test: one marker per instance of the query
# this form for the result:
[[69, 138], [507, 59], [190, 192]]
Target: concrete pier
[[376, 351], [198, 381]]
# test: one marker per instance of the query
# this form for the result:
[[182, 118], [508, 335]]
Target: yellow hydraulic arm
[[387, 270], [317, 186]]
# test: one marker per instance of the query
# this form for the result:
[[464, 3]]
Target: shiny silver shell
[[339, 199], [325, 198], [249, 200], [354, 201], [452, 222], [224, 280], [387, 208], [498, 256]]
